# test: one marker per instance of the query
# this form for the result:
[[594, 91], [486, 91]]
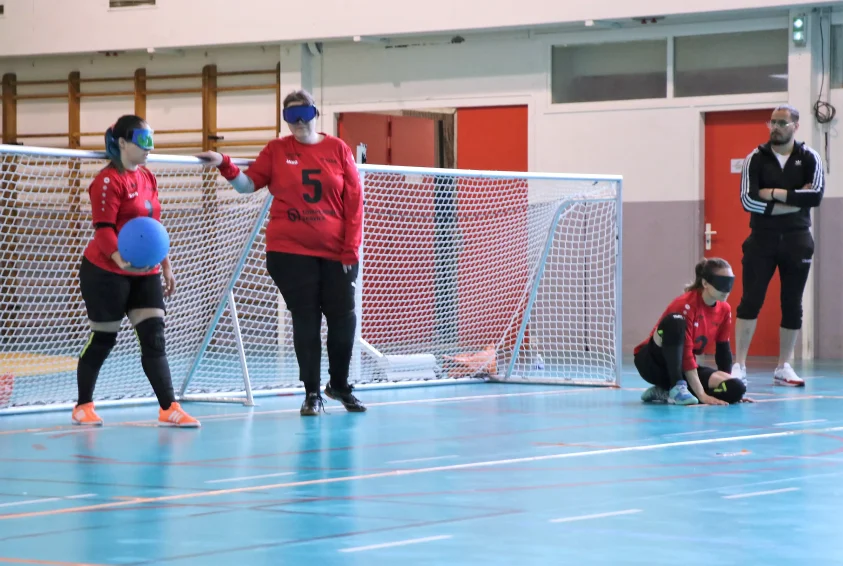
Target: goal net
[[464, 275]]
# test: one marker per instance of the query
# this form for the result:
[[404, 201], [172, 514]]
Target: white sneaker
[[785, 376], [739, 372]]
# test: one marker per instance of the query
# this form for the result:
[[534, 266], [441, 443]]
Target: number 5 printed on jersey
[[308, 181]]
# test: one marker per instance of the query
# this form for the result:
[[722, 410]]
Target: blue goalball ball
[[143, 242]]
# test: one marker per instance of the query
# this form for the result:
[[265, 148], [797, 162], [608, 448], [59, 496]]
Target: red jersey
[[116, 198], [317, 206], [704, 324]]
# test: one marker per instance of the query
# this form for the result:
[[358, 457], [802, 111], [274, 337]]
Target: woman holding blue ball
[[112, 286]]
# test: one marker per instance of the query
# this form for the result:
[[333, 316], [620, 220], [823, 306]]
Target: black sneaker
[[351, 403], [312, 405]]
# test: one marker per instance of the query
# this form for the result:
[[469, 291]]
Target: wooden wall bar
[[140, 87]]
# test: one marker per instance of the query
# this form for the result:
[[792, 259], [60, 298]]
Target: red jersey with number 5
[[703, 324], [117, 198], [317, 206]]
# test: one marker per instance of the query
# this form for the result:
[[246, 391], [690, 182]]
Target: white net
[[460, 271]]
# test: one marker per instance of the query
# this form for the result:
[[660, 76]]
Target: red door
[[391, 140], [729, 138], [399, 264], [492, 138]]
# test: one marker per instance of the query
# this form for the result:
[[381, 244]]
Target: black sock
[[91, 360], [340, 347], [672, 332], [157, 371], [154, 360], [307, 342]]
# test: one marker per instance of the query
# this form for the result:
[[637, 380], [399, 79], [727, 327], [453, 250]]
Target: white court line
[[801, 422], [416, 471], [597, 516], [788, 399], [694, 432], [759, 493], [397, 543], [238, 416], [45, 500], [422, 459], [75, 430], [244, 478]]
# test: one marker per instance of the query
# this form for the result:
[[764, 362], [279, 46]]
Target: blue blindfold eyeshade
[[143, 138], [293, 114]]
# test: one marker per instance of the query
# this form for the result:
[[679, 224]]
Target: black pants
[[763, 252], [311, 287], [110, 296], [652, 367]]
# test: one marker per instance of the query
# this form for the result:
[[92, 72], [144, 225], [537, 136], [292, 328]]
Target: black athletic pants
[[313, 286], [662, 365], [651, 365], [108, 298], [763, 252]]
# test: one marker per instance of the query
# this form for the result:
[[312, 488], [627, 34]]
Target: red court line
[[330, 537], [236, 461], [250, 414], [411, 471]]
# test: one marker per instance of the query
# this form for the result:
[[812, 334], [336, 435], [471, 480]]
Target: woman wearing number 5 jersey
[[312, 241]]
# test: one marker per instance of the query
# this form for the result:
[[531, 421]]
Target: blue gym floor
[[459, 474]]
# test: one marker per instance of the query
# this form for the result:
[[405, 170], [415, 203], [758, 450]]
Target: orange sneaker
[[175, 416], [85, 415]]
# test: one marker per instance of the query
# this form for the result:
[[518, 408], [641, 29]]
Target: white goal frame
[[418, 368]]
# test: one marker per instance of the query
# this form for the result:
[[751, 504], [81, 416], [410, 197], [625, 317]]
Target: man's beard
[[780, 139]]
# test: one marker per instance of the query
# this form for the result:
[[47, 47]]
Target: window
[[129, 3], [731, 63], [611, 71], [836, 56]]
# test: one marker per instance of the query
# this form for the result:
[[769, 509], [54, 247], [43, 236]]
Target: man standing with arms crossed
[[780, 183]]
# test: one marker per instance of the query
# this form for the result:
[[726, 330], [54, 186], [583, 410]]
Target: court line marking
[[244, 478], [46, 500], [692, 433], [416, 471], [801, 422], [787, 399], [596, 516], [64, 429], [432, 458], [396, 543], [7, 560], [759, 493], [75, 430]]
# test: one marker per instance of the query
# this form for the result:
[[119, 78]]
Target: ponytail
[[704, 270], [121, 129], [112, 149]]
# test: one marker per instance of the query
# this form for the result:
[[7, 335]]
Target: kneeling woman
[[667, 359]]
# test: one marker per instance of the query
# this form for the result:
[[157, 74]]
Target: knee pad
[[150, 335], [98, 347], [731, 390], [672, 330]]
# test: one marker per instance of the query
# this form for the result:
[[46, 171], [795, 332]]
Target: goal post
[[464, 276]]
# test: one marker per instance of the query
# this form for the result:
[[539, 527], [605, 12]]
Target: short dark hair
[[794, 113], [299, 96]]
